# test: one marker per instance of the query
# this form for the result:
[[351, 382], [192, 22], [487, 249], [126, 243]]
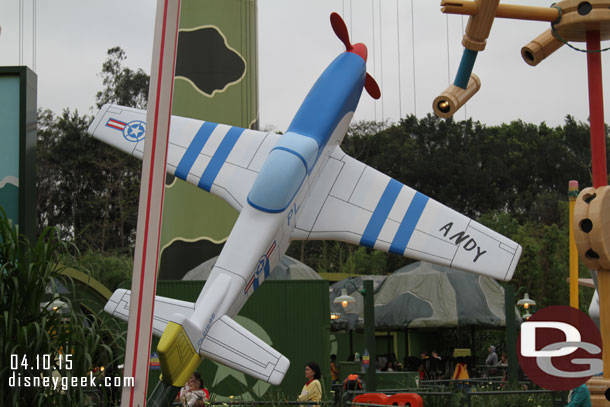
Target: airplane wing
[[357, 204], [220, 159], [226, 342]]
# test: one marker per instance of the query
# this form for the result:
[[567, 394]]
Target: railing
[[264, 403], [435, 393], [472, 393], [555, 402]]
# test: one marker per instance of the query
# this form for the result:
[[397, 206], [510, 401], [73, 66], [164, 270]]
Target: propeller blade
[[340, 29], [371, 87]]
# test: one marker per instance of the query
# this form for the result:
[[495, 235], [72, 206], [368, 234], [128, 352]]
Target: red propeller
[[340, 30]]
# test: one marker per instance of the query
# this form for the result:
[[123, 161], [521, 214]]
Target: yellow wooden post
[[573, 194]]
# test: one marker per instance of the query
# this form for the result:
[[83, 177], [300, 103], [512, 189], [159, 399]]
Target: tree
[[122, 86], [520, 168], [88, 189]]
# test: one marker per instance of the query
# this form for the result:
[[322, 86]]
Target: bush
[[40, 329], [113, 271]]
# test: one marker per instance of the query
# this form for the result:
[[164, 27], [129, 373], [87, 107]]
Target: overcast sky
[[296, 43]]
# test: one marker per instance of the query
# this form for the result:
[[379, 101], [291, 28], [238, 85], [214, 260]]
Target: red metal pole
[[600, 179], [596, 110]]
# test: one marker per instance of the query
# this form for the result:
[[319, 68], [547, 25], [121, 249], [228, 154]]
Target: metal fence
[[515, 398], [471, 393]]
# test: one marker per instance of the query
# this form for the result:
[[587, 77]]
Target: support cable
[[374, 53], [413, 48], [399, 84], [20, 32], [351, 32], [465, 104], [381, 58], [34, 35], [448, 62]]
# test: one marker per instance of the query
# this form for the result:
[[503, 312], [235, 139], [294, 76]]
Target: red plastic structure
[[405, 399], [371, 398]]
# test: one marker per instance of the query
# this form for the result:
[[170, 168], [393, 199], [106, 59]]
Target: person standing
[[492, 361], [579, 397], [334, 372], [492, 356], [312, 390]]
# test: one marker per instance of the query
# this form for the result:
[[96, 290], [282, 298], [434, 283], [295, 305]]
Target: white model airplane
[[295, 186]]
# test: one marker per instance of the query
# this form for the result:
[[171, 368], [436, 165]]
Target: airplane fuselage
[[263, 230]]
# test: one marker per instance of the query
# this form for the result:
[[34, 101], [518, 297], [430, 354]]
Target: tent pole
[[472, 343], [390, 343], [510, 333]]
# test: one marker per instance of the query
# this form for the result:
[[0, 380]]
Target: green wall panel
[[216, 80]]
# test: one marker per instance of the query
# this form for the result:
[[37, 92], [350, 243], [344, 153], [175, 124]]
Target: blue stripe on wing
[[219, 158], [371, 233], [193, 150], [409, 221]]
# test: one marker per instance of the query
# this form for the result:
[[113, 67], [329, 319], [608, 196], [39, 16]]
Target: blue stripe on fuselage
[[193, 150], [219, 158], [335, 93], [409, 221], [371, 233]]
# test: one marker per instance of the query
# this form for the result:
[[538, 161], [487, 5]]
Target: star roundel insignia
[[263, 263], [134, 131]]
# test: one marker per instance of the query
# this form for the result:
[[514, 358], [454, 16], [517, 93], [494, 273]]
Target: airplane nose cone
[[360, 49]]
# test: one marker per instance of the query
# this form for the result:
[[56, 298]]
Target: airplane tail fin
[[226, 342]]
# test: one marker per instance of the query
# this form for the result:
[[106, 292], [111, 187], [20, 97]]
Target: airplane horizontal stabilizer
[[227, 342], [231, 344], [118, 306]]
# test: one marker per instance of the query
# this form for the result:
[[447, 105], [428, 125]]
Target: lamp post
[[369, 324], [526, 302], [511, 332]]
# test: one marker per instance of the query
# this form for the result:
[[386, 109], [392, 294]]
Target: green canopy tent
[[424, 295], [287, 269]]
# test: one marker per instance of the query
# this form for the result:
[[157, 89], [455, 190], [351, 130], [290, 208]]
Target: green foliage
[[483, 397], [338, 257], [518, 168], [113, 271], [39, 323], [544, 265], [87, 189], [122, 85]]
